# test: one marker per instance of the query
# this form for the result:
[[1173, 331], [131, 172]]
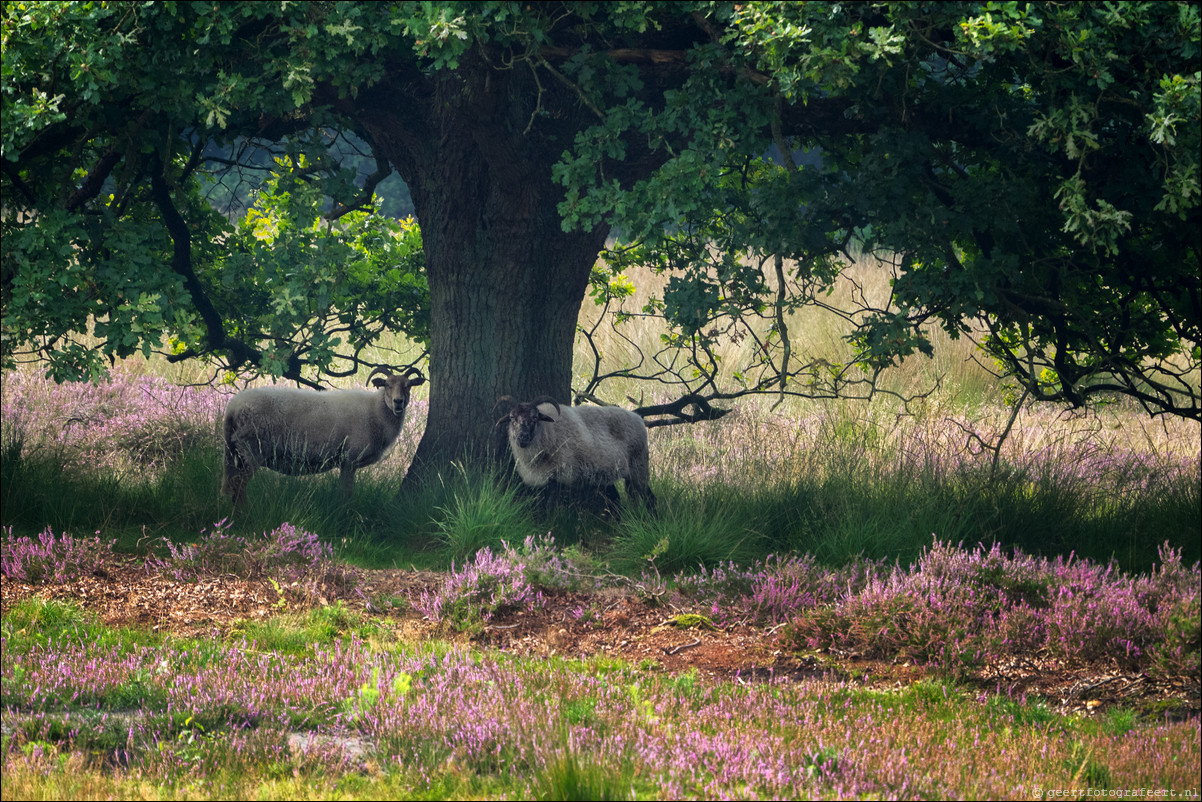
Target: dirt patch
[[612, 623]]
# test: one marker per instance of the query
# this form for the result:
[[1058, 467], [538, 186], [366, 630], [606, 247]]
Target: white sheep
[[298, 432], [588, 446]]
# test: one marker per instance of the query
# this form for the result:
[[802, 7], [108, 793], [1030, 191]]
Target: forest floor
[[615, 623]]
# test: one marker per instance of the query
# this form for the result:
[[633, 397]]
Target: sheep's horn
[[546, 399], [510, 404], [387, 373], [412, 371]]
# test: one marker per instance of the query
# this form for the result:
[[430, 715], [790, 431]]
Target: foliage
[[304, 291], [120, 240], [1030, 173]]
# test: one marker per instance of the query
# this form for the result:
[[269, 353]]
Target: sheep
[[588, 446], [298, 432]]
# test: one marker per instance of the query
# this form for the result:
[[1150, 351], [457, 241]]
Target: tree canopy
[[1030, 170]]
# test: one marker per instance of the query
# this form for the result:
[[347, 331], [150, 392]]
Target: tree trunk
[[506, 282]]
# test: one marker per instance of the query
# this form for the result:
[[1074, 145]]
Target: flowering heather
[[203, 712], [486, 584], [960, 609], [512, 579], [955, 608], [126, 422], [52, 558], [286, 554], [771, 591]]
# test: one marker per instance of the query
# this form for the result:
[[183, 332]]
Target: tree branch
[[181, 263], [676, 409]]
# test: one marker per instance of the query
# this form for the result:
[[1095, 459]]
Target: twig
[[682, 648]]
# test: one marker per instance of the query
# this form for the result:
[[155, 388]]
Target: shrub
[[291, 556], [52, 558], [510, 579], [958, 608]]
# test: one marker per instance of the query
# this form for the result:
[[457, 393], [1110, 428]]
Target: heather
[[52, 558], [130, 426], [355, 718], [135, 454], [971, 609], [286, 555], [509, 579], [955, 609], [933, 537]]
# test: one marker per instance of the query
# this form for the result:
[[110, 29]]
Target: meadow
[[942, 535]]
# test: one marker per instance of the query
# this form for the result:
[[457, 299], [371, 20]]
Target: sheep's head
[[525, 418], [395, 389]]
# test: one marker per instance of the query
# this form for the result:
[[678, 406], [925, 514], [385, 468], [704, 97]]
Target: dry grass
[[817, 334]]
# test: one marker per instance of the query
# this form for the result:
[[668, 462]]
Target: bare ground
[[613, 623]]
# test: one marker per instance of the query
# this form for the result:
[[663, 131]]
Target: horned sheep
[[299, 432], [586, 446]]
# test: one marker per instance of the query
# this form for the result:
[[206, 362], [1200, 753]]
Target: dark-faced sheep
[[589, 447], [298, 432]]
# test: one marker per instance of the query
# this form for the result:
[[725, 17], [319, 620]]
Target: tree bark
[[506, 281]]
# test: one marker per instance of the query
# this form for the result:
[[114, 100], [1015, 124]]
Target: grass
[[376, 719], [839, 520], [833, 480], [483, 512]]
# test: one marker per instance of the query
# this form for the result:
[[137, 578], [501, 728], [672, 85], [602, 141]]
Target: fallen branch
[[682, 648]]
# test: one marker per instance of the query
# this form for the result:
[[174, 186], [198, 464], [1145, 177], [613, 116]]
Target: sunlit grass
[[835, 479], [242, 719]]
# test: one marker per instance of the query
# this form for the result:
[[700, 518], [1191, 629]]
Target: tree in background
[[1032, 169]]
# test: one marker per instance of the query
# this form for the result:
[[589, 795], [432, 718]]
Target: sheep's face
[[395, 391], [523, 423]]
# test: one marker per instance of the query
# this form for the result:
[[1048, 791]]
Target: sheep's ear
[[379, 382], [416, 380]]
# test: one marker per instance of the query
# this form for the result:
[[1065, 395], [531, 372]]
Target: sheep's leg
[[642, 493], [638, 484], [235, 485], [611, 500], [236, 475], [553, 494], [347, 474]]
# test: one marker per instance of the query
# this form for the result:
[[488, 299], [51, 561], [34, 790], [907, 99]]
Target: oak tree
[[1029, 169]]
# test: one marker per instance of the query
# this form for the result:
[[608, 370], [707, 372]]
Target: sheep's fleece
[[297, 432], [586, 445]]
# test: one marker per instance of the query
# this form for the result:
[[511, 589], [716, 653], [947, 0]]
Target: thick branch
[[181, 263], [676, 409], [95, 180]]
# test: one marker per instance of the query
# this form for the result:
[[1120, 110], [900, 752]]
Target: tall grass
[[140, 455], [840, 481], [137, 457]]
